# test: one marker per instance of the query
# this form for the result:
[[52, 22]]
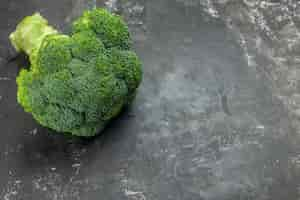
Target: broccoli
[[77, 83]]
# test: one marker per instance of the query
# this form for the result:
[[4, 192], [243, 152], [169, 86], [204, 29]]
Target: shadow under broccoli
[[77, 83]]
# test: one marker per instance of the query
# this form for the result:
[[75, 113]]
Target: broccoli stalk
[[30, 33], [77, 83]]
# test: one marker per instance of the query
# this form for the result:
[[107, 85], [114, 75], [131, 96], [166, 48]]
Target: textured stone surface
[[268, 32], [207, 123]]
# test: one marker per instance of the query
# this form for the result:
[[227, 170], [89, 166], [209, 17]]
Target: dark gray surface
[[205, 124]]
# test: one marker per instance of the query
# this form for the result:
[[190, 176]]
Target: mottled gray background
[[216, 118]]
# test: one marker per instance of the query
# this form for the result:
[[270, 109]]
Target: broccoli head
[[77, 83]]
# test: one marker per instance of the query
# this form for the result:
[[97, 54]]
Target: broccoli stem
[[30, 33]]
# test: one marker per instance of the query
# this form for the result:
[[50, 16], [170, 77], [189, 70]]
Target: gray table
[[204, 126]]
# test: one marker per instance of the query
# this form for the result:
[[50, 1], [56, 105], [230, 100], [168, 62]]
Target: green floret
[[77, 83], [127, 67], [25, 81], [86, 45], [54, 53], [110, 28]]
